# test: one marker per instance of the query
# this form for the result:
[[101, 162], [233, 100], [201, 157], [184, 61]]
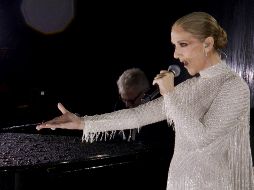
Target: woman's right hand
[[165, 81], [67, 120]]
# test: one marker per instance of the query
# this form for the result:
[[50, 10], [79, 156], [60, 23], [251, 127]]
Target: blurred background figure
[[132, 85]]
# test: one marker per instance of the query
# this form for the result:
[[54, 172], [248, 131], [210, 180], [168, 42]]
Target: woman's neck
[[213, 59]]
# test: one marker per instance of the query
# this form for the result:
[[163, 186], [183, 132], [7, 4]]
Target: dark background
[[80, 65]]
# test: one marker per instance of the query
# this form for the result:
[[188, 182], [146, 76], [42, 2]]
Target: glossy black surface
[[59, 160], [19, 150]]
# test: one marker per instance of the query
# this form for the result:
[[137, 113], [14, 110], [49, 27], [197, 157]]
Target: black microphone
[[175, 69]]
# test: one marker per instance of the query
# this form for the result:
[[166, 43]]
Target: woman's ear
[[209, 42]]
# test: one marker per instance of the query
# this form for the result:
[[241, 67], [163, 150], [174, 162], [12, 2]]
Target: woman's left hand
[[165, 81], [67, 120]]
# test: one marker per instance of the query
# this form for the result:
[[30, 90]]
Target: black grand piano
[[59, 160]]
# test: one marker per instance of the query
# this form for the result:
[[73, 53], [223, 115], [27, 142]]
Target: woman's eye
[[183, 44]]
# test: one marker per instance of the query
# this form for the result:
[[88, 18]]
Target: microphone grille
[[176, 69]]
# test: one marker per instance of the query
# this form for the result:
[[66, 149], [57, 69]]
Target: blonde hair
[[203, 25]]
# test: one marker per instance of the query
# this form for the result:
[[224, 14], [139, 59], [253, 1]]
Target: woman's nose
[[176, 55]]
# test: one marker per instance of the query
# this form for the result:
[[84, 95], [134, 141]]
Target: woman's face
[[189, 50]]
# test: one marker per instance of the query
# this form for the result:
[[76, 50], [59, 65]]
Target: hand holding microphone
[[163, 82]]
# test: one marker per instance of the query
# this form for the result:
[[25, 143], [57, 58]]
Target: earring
[[205, 46]]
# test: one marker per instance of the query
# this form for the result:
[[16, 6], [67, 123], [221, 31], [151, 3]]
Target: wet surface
[[34, 150]]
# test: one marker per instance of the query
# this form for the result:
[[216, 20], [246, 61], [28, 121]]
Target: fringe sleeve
[[223, 128], [240, 160], [99, 127]]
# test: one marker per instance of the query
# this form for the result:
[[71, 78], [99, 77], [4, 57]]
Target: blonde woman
[[210, 112]]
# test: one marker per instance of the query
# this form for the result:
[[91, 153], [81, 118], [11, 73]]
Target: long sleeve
[[211, 117], [225, 114], [106, 124]]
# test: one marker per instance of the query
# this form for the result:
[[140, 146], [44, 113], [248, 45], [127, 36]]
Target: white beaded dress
[[211, 121]]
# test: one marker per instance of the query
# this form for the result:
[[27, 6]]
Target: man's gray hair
[[133, 78]]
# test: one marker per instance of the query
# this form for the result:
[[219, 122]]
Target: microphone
[[175, 69]]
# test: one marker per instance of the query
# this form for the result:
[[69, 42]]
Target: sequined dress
[[211, 121]]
